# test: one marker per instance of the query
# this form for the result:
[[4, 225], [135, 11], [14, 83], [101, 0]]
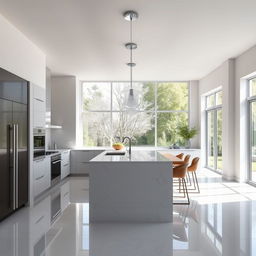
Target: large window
[[252, 128], [165, 108], [214, 131]]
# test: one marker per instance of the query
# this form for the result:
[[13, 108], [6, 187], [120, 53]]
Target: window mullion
[[207, 138], [250, 141], [215, 138], [155, 89], [111, 109]]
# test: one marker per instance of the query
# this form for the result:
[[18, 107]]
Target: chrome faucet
[[130, 143]]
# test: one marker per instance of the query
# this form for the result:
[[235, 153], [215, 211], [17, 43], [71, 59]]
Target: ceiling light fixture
[[132, 101]]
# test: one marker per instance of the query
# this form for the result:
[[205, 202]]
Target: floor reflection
[[207, 229], [130, 239]]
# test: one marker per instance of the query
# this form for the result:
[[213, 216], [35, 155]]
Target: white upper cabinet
[[39, 107]]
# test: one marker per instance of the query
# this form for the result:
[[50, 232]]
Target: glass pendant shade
[[132, 100]]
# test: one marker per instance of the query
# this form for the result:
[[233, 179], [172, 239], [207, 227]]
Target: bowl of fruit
[[118, 146]]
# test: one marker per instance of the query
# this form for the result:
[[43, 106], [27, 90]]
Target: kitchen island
[[136, 188]]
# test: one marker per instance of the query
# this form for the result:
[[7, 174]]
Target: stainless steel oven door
[[55, 168]]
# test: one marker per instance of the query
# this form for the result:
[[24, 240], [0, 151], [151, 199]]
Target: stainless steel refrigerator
[[13, 143]]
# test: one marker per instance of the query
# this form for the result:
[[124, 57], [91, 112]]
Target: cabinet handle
[[38, 99], [39, 178], [55, 162], [40, 160], [39, 219], [66, 194], [65, 165]]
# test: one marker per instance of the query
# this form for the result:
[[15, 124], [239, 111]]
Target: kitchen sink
[[114, 153]]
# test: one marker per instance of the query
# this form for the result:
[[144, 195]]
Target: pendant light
[[132, 99]]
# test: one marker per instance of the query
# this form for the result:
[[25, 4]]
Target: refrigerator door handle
[[17, 166], [10, 146], [13, 139]]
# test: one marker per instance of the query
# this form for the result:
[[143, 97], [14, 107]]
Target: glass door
[[214, 131], [214, 139], [252, 174], [210, 139], [219, 139]]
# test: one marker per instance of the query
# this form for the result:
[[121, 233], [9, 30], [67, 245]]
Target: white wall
[[222, 77], [232, 76], [64, 110], [245, 68], [20, 56], [194, 120]]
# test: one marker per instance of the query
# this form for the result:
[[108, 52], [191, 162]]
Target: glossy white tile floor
[[221, 220]]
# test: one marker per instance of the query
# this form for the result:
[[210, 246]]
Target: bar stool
[[179, 172], [192, 169]]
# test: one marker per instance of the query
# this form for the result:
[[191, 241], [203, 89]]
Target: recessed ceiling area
[[177, 39]]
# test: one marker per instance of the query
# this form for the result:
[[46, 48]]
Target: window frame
[[249, 101], [214, 109], [154, 111]]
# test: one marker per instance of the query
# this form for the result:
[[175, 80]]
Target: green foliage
[[186, 133], [170, 96]]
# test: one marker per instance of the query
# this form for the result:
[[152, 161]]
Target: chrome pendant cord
[[131, 52], [131, 16]]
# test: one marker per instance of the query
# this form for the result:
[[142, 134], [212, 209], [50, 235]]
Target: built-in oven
[[39, 142], [55, 168]]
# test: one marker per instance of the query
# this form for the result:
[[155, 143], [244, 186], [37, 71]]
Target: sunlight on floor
[[216, 190]]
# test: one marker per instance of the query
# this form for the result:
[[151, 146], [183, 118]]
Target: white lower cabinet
[[65, 170], [65, 163], [41, 175], [80, 160]]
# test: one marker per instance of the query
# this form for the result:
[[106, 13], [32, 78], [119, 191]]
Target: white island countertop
[[136, 156]]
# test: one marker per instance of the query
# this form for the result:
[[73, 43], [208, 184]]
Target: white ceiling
[[177, 39]]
